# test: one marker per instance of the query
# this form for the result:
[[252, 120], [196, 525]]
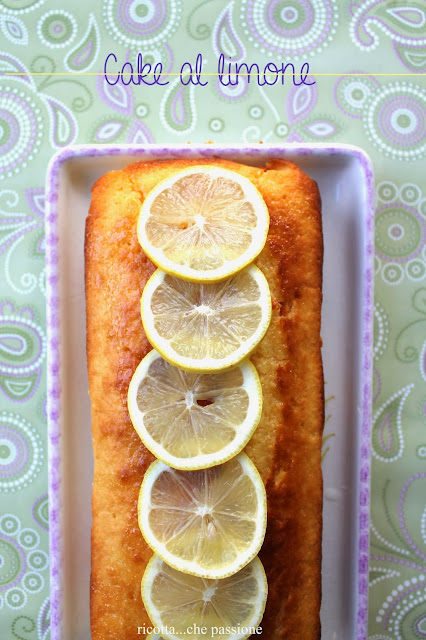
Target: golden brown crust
[[286, 446]]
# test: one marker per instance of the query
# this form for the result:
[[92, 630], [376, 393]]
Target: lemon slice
[[206, 327], [184, 606], [209, 523], [194, 420], [203, 223]]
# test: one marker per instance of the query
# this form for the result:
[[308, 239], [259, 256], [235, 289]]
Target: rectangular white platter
[[344, 176]]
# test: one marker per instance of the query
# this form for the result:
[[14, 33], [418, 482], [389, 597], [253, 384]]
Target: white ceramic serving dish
[[344, 176]]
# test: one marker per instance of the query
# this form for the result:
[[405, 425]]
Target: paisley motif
[[411, 16], [177, 109], [10, 64], [22, 352], [404, 25], [21, 229], [13, 224], [85, 52], [21, 128], [118, 97], [404, 610], [300, 103], [401, 23], [387, 435], [63, 125], [225, 39], [414, 58], [398, 613], [289, 29]]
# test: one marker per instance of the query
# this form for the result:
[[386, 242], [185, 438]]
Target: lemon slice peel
[[161, 583], [197, 423], [216, 542], [201, 337], [213, 222]]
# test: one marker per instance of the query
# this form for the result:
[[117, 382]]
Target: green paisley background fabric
[[380, 107]]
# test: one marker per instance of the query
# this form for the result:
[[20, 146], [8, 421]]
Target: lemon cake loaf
[[285, 447]]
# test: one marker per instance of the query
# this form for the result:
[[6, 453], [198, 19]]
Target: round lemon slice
[[206, 327], [184, 606], [194, 420], [208, 523], [203, 223]]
